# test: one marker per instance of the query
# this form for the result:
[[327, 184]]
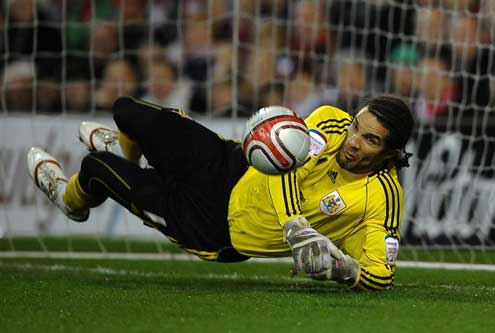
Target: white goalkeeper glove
[[311, 251], [345, 270]]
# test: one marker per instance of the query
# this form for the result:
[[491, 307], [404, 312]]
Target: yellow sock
[[74, 196], [129, 147]]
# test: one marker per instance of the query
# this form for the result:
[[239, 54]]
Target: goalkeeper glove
[[311, 250], [345, 270]]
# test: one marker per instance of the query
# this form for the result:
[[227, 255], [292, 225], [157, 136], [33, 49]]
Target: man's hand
[[312, 252]]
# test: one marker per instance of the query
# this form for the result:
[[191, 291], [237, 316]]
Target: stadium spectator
[[78, 92], [163, 86], [461, 5], [135, 27], [311, 33], [88, 32], [79, 16], [436, 86], [431, 28], [301, 90], [271, 93], [18, 86], [202, 194], [3, 40], [304, 95], [222, 65], [221, 98], [351, 83], [403, 66], [261, 64], [198, 48], [147, 53], [78, 95], [49, 98], [278, 9], [487, 16], [32, 33], [372, 28], [104, 43], [162, 20], [220, 102], [472, 57], [119, 78]]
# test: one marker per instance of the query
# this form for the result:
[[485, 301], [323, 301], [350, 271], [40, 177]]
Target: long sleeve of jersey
[[378, 251]]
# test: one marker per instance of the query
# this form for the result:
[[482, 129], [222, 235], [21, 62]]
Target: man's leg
[[104, 175], [194, 218], [174, 144], [204, 168]]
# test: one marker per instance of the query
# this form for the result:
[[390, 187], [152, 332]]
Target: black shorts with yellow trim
[[185, 195]]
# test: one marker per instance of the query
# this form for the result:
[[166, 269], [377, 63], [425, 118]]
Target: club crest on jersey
[[391, 249], [317, 142], [332, 203]]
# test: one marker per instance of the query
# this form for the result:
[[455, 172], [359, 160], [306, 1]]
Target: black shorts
[[186, 193]]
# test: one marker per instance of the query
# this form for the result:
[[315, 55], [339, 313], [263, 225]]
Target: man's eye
[[373, 141]]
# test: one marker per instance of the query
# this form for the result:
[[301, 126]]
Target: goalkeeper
[[338, 215]]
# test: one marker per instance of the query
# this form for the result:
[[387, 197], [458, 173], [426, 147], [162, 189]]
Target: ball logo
[[276, 141]]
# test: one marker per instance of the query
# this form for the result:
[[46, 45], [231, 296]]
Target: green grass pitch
[[74, 295]]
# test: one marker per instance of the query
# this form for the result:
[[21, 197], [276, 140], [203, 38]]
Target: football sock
[[74, 196], [130, 148]]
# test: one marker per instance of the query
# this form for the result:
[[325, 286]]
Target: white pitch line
[[446, 265], [188, 257]]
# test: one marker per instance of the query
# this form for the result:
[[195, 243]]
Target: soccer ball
[[276, 140]]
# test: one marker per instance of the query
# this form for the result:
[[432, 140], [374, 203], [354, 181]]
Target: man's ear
[[392, 153]]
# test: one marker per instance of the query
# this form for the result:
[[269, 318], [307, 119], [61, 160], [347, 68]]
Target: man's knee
[[123, 109], [136, 118]]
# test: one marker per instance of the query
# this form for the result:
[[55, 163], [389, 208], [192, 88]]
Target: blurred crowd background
[[78, 56]]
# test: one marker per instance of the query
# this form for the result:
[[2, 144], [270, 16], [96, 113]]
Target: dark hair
[[396, 116]]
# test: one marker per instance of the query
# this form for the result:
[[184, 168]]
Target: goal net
[[67, 61]]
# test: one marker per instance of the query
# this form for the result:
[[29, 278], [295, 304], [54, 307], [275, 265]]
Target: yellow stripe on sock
[[74, 196], [130, 148]]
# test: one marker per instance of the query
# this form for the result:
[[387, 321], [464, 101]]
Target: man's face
[[364, 150]]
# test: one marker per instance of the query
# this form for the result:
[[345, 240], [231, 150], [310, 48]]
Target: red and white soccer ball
[[276, 140]]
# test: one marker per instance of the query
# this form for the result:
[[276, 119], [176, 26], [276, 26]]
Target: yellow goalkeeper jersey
[[336, 202]]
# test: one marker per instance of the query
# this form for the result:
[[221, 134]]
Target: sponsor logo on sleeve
[[317, 143], [331, 204], [391, 249]]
